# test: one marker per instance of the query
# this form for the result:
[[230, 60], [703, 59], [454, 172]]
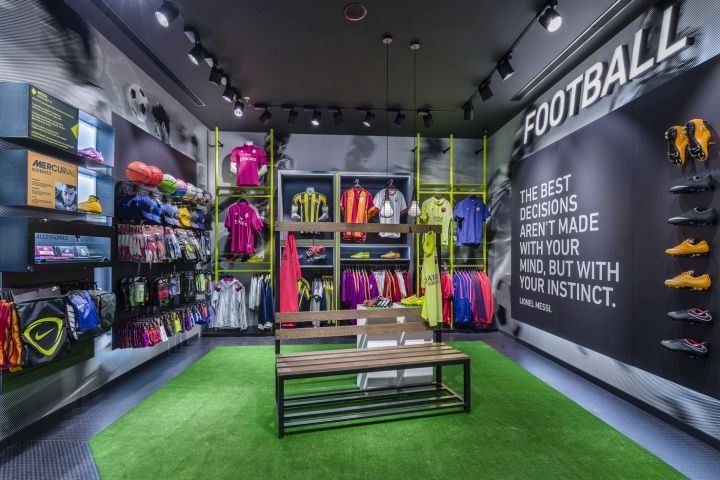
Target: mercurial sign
[[601, 79]]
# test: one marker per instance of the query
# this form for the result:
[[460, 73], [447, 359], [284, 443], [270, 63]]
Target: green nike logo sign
[[40, 336], [50, 345]]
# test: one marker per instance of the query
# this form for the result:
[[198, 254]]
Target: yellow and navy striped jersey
[[310, 205]]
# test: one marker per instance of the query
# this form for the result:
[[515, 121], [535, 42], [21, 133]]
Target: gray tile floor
[[60, 450]]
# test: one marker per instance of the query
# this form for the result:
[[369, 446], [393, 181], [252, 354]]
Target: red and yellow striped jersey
[[356, 205]]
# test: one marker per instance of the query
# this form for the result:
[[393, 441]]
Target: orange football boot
[[677, 145], [689, 280], [699, 135], [690, 247]]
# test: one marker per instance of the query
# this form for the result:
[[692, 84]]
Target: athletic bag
[[43, 332]]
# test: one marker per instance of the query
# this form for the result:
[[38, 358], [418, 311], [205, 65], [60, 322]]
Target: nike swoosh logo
[[40, 336]]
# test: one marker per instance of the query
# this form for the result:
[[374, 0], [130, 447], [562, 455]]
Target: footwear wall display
[[690, 142]]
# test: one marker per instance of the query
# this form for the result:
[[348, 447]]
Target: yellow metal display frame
[[226, 191], [451, 189]]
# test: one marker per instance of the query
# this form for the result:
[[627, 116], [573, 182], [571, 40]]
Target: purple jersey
[[470, 215]]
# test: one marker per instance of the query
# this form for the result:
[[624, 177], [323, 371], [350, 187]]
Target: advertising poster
[[52, 121], [52, 183]]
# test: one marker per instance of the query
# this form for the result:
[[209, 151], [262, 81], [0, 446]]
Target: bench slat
[[344, 352], [349, 330], [331, 315], [391, 364], [369, 359]]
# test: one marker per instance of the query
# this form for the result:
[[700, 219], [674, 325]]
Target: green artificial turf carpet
[[216, 420]]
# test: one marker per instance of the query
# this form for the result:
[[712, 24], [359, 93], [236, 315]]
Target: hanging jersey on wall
[[243, 222], [438, 211], [310, 205], [470, 215], [356, 205], [399, 206], [248, 159], [289, 276], [430, 281]]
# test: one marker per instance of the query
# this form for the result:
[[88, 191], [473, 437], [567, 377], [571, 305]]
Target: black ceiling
[[306, 53]]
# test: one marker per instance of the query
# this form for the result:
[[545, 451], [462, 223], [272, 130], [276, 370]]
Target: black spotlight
[[369, 117], [216, 75], [239, 109], [468, 111], [316, 118], [292, 116], [485, 91], [504, 67], [338, 117], [551, 19], [197, 54], [265, 117], [428, 120], [399, 119], [230, 94], [166, 13]]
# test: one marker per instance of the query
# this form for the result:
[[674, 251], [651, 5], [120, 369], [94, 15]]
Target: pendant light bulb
[[387, 210], [414, 210]]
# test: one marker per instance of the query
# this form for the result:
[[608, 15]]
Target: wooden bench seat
[[343, 405]]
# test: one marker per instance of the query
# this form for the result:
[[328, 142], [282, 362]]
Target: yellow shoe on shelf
[[256, 259], [360, 255], [689, 280], [391, 255], [699, 136], [91, 205], [690, 247], [677, 145]]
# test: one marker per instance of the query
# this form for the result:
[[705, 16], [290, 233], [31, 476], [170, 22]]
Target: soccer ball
[[180, 188], [138, 102], [168, 184], [137, 172], [156, 176]]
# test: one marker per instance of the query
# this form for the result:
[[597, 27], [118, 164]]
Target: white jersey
[[397, 200], [228, 300]]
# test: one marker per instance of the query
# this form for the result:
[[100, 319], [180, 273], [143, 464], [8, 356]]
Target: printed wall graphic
[[51, 183], [52, 121]]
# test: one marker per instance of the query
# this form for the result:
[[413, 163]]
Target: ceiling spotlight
[[216, 75], [468, 111], [265, 117], [355, 12], [210, 60], [239, 109], [292, 116], [166, 13], [428, 120], [550, 18], [504, 67], [191, 34], [230, 94], [337, 117], [369, 117], [399, 119], [485, 91], [197, 54], [316, 118]]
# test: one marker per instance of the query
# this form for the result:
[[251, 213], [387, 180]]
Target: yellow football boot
[[392, 255], [360, 255], [91, 205], [690, 247], [677, 145], [689, 280], [699, 135]]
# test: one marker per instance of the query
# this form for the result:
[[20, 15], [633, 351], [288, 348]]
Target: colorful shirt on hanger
[[470, 215], [430, 281], [397, 200], [310, 205], [228, 300], [290, 274], [248, 158], [357, 206], [438, 211], [447, 291], [243, 222]]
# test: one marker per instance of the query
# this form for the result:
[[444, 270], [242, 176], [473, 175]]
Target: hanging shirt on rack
[[228, 300], [447, 292], [430, 281], [397, 200], [356, 205], [470, 215], [310, 205], [438, 211], [243, 222], [290, 274], [248, 158]]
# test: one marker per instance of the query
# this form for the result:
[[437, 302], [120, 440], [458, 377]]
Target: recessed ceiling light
[[166, 13], [355, 12]]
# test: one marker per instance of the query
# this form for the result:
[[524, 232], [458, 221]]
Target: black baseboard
[[54, 417], [652, 410]]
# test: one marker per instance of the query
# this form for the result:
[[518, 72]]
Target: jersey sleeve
[[228, 221], [370, 207], [458, 213], [424, 214], [378, 200], [485, 212], [234, 156], [257, 222], [343, 201], [322, 200], [262, 158]]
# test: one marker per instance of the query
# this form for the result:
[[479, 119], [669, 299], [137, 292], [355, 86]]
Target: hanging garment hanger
[[357, 182]]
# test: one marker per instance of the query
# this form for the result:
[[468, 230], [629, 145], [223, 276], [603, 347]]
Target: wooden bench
[[352, 404]]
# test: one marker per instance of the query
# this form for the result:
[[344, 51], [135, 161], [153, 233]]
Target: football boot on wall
[[689, 346], [698, 137], [697, 316], [694, 184], [677, 145], [696, 216], [691, 247], [689, 280]]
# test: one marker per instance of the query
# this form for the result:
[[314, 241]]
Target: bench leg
[[438, 376], [280, 392], [466, 384]]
